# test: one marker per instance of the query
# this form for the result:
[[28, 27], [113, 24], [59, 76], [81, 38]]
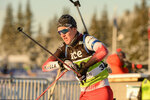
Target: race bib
[[96, 71]]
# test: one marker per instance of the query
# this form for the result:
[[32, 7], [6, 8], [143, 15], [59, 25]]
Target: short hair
[[67, 21]]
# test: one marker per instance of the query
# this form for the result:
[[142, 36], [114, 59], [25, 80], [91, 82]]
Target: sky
[[44, 10]]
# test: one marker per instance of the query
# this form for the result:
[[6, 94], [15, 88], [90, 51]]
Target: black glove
[[82, 72], [61, 65]]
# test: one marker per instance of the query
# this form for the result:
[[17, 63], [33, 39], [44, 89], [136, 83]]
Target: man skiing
[[84, 54]]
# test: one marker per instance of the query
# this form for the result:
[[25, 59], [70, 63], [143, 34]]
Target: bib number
[[96, 70]]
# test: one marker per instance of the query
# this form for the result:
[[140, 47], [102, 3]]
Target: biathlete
[[85, 54]]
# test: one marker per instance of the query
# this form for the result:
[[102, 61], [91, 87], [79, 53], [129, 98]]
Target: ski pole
[[52, 83], [77, 4], [21, 30], [52, 89]]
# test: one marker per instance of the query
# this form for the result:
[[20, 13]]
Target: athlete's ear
[[74, 29]]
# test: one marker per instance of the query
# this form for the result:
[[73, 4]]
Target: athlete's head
[[67, 28], [66, 20]]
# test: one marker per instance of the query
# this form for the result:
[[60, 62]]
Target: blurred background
[[38, 19], [117, 23]]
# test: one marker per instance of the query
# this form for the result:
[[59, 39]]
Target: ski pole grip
[[20, 29], [76, 3]]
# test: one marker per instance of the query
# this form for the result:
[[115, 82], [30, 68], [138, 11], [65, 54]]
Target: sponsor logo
[[51, 66], [76, 54]]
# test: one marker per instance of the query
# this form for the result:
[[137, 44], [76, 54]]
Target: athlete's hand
[[81, 78], [71, 65], [82, 72]]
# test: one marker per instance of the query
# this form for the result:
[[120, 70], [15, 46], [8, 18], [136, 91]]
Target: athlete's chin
[[67, 42]]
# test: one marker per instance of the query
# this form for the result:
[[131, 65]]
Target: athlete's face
[[67, 33]]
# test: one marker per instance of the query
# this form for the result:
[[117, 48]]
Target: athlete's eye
[[64, 31]]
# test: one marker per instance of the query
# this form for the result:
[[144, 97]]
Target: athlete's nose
[[63, 35]]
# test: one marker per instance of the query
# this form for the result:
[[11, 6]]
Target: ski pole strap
[[76, 3]]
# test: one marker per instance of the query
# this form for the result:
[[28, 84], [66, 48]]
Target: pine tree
[[124, 31], [8, 35], [39, 36], [40, 55], [53, 35], [20, 17], [20, 46], [28, 27], [94, 28], [139, 32], [104, 30], [135, 41], [28, 19], [53, 27], [100, 28]]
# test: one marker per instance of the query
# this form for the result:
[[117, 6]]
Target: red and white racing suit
[[84, 49]]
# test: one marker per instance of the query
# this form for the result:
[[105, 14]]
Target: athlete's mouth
[[65, 38]]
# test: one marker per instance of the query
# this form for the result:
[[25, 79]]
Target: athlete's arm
[[52, 63], [100, 50]]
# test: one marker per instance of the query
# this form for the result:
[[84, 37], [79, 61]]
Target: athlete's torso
[[79, 53]]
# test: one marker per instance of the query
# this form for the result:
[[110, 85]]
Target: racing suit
[[96, 86]]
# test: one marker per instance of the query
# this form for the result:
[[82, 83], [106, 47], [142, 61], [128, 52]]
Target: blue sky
[[44, 10]]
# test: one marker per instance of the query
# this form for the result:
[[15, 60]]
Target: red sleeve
[[59, 53], [100, 53], [51, 58]]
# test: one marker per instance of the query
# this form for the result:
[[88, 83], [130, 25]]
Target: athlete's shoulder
[[90, 41], [62, 46], [89, 38]]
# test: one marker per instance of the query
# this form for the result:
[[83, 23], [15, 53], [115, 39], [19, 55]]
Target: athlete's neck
[[75, 40]]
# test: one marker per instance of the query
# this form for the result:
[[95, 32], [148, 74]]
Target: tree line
[[131, 37]]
